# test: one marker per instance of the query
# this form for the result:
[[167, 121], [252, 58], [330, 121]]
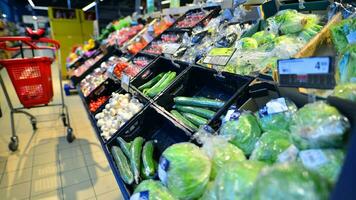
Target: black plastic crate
[[153, 125], [203, 82], [160, 65]]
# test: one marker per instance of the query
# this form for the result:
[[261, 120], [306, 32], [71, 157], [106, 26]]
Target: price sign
[[170, 48], [125, 82], [219, 56], [313, 72]]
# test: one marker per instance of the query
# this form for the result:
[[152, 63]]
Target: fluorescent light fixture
[[166, 2], [31, 3], [4, 15], [34, 17], [87, 7], [40, 8]]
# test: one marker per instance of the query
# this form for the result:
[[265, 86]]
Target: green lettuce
[[248, 43], [339, 32], [346, 91], [154, 189], [346, 65]]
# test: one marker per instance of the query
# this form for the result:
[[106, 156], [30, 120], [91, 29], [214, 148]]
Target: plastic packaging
[[346, 65], [318, 125], [185, 170], [346, 91], [151, 190]]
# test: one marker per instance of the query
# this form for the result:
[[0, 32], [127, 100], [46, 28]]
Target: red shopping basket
[[31, 78]]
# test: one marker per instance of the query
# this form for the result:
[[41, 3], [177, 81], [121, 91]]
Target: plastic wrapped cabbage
[[151, 190], [236, 181], [209, 192], [289, 181], [263, 37], [318, 125], [340, 31], [185, 170], [276, 115], [346, 65], [346, 91], [325, 162], [271, 145], [290, 21], [248, 43], [243, 132]]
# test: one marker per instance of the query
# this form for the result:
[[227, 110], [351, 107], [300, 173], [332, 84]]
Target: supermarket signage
[[313, 72], [219, 56], [170, 48], [125, 82]]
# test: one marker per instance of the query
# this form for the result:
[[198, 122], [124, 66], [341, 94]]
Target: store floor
[[45, 165]]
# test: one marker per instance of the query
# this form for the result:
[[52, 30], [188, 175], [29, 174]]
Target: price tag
[[313, 72], [219, 56], [170, 48], [351, 37], [125, 82]]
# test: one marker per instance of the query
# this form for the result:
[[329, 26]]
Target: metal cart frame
[[31, 43]]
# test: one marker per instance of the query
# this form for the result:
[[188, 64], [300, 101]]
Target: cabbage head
[[290, 21], [185, 170], [270, 145], [235, 181], [152, 190], [346, 91], [243, 132], [289, 181], [325, 162], [248, 43], [263, 37], [318, 125]]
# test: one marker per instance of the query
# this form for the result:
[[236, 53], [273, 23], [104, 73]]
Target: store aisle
[[45, 165]]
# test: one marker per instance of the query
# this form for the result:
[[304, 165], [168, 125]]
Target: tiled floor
[[45, 165]]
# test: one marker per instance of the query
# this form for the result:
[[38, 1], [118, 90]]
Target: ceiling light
[[40, 8], [4, 15], [87, 7], [34, 17], [31, 3]]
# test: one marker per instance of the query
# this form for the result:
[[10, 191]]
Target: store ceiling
[[78, 3]]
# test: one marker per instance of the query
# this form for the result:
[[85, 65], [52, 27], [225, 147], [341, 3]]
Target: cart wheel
[[14, 143], [64, 120], [70, 135]]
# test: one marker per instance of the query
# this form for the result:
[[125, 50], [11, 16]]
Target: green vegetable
[[243, 133], [325, 162], [207, 114], [263, 37], [183, 120], [270, 146], [155, 189], [125, 146], [248, 43], [193, 101], [159, 87], [151, 83], [147, 159], [346, 66], [340, 31], [136, 148], [318, 125], [346, 91], [122, 165], [188, 170], [290, 21], [158, 83], [196, 120], [236, 180], [289, 181]]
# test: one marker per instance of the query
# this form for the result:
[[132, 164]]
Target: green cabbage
[[270, 145], [248, 43], [185, 170], [325, 162], [346, 91], [209, 192], [290, 21], [289, 181], [339, 32], [154, 189], [346, 65], [263, 37], [235, 182], [243, 132], [318, 125]]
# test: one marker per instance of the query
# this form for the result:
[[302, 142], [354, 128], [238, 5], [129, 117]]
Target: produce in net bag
[[346, 91], [318, 125], [151, 190], [243, 132], [185, 170], [276, 115], [325, 162], [271, 145], [235, 181], [289, 181]]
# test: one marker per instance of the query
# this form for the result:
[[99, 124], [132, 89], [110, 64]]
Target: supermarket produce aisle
[[45, 165]]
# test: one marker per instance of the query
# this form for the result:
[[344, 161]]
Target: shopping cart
[[32, 79]]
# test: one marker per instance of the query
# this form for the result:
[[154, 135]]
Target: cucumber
[[207, 114], [135, 161], [198, 121], [200, 102], [125, 146], [164, 77], [159, 88], [151, 82], [183, 120], [147, 159], [122, 165]]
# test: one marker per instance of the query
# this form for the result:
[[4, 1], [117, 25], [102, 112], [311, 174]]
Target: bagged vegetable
[[151, 190], [243, 132], [346, 65], [271, 145], [263, 37], [248, 43], [290, 21], [340, 31], [346, 91], [289, 181], [236, 180], [185, 170], [318, 125], [276, 115], [325, 162]]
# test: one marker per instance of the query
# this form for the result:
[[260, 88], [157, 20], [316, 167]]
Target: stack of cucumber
[[128, 159], [195, 111], [157, 84]]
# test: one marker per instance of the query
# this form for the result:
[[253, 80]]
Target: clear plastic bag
[[346, 91], [151, 190]]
